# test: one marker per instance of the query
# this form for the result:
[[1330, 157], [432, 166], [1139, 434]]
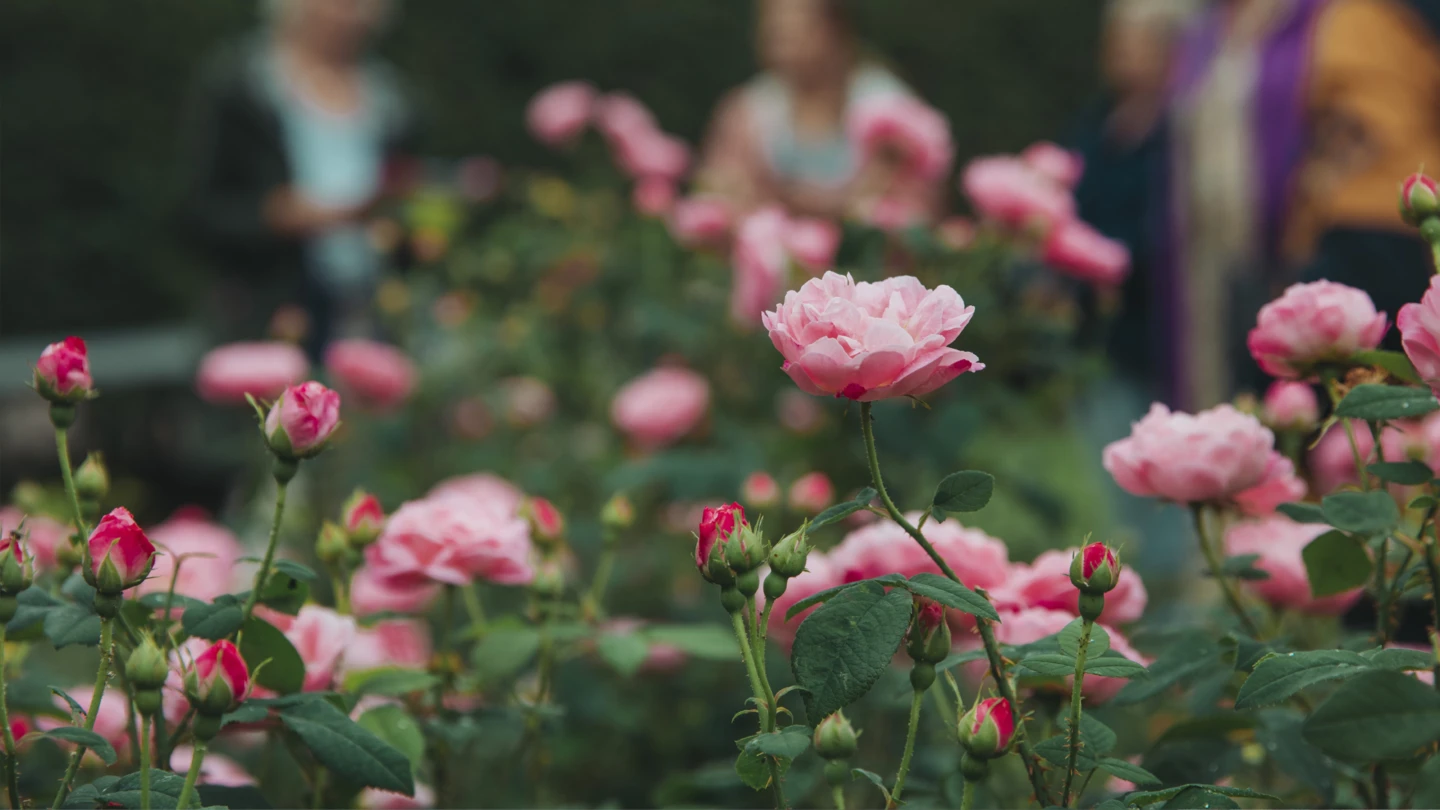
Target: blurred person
[[782, 137], [289, 142]]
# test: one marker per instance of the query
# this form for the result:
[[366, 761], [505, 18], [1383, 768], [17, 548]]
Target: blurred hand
[[289, 213]]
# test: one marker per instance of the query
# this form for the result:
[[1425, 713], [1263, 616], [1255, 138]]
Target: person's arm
[[730, 164]]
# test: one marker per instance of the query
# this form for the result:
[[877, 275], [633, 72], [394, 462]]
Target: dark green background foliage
[[94, 89]]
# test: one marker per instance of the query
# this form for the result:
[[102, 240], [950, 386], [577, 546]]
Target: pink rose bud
[[811, 493], [1419, 199], [62, 374], [547, 525], [362, 517], [654, 196], [302, 420], [868, 341], [559, 113], [1078, 250], [218, 680], [1419, 325], [1191, 458], [760, 490], [928, 642], [987, 730], [835, 738], [17, 570], [717, 523], [1095, 570], [1314, 323], [1293, 405], [120, 556]]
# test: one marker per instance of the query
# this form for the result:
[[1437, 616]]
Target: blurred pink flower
[[211, 553], [812, 243], [1419, 325], [1280, 542], [1332, 462], [454, 540], [760, 490], [760, 261], [1045, 583], [321, 636], [482, 486], [660, 406], [262, 370], [374, 375], [559, 113], [403, 643], [1291, 406], [1191, 458], [1008, 191], [981, 561], [700, 220], [1033, 624], [215, 769], [811, 493], [1055, 162], [1279, 485], [915, 134], [654, 196], [44, 535], [617, 114], [372, 593], [111, 721], [1078, 250], [649, 154], [797, 411], [377, 799], [1310, 323]]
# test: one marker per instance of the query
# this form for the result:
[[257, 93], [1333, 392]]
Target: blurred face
[[1135, 57], [799, 39], [335, 27]]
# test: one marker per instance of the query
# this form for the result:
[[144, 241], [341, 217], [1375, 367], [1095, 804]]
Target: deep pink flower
[[371, 593], [62, 374], [1010, 192], [455, 540], [870, 341], [302, 420], [989, 725], [1191, 458], [1419, 325], [1055, 162], [1280, 542], [811, 493], [211, 553], [913, 134], [44, 535], [760, 260], [362, 514], [380, 376], [1078, 250], [1312, 323], [654, 196], [377, 799], [812, 243], [559, 113], [262, 370], [700, 220], [1045, 583], [1279, 485], [716, 525], [660, 406], [119, 542], [546, 522], [1293, 405], [321, 636]]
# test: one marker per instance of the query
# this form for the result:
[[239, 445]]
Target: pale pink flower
[[482, 486], [215, 769], [1078, 250], [403, 643], [981, 561], [700, 220], [262, 370], [111, 721], [1191, 458], [371, 593], [1279, 485], [379, 376], [649, 154], [1419, 326], [760, 260], [617, 114], [906, 130], [1280, 543], [454, 540], [206, 552], [44, 539], [760, 490], [1055, 162], [812, 243], [559, 113], [1332, 462], [1010, 192], [321, 636], [1292, 405], [1321, 321], [660, 406], [811, 493], [302, 420], [868, 341], [654, 196]]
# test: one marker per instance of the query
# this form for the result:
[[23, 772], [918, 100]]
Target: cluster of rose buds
[[730, 552], [547, 532]]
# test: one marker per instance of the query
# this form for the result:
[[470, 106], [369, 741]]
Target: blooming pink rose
[[215, 769], [118, 542], [377, 799], [882, 547], [1280, 485], [452, 539], [1055, 162], [820, 573], [1078, 250], [559, 113], [262, 370], [811, 493], [812, 243], [1006, 190], [1033, 624], [1293, 405], [210, 555], [1419, 326], [700, 220], [218, 673], [372, 593], [1045, 583], [660, 406], [649, 154], [62, 374], [913, 133], [529, 401], [760, 261], [1280, 543], [1191, 458], [380, 376], [302, 420], [44, 536], [482, 486], [321, 636], [619, 113], [654, 196], [403, 643], [1312, 323], [760, 490], [111, 721], [870, 341]]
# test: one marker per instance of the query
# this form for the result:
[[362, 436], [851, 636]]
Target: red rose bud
[[987, 730], [302, 420], [118, 554], [1419, 199], [547, 525], [716, 525], [618, 513], [1096, 569], [92, 481], [362, 517], [928, 642], [835, 738], [17, 570], [788, 556], [760, 490], [62, 374], [218, 680]]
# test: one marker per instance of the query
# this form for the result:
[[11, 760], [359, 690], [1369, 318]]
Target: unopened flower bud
[[775, 585], [62, 375], [618, 513], [929, 638], [1095, 570], [1419, 199], [746, 550], [547, 525], [988, 729], [118, 555], [788, 556], [835, 738], [549, 579], [716, 526], [92, 481], [362, 518], [147, 667], [760, 490], [300, 423], [332, 544], [17, 570], [218, 680]]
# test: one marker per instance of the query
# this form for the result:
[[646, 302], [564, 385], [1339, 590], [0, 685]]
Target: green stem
[[12, 776], [766, 709], [1382, 595], [342, 600], [595, 598], [987, 634], [1382, 787], [193, 775], [264, 572], [102, 675], [967, 799], [910, 730], [170, 603], [1212, 557], [838, 794], [145, 762], [165, 743], [318, 801], [1076, 698], [442, 646], [62, 448]]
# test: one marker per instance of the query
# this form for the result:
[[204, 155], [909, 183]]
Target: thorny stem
[[1076, 698], [910, 731], [1212, 557], [102, 675]]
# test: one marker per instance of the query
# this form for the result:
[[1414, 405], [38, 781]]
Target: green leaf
[[89, 739], [392, 724], [626, 652], [1408, 473], [841, 649], [820, 597], [1186, 658], [753, 769], [32, 606], [1427, 790], [1372, 512], [1096, 740], [787, 743], [1281, 735], [213, 621], [74, 704], [875, 779], [156, 601], [1335, 563], [353, 753], [284, 592], [1069, 639], [124, 792], [389, 681], [503, 652], [1377, 403], [951, 594], [1397, 363], [840, 511], [711, 642], [1242, 566], [1142, 798], [72, 624], [965, 491], [956, 659], [1097, 736], [1302, 512], [1050, 664], [1277, 677], [1374, 716], [79, 591], [1199, 798], [263, 643], [1128, 771], [1399, 659], [1114, 665], [295, 570]]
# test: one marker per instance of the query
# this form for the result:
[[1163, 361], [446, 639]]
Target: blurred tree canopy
[[94, 91]]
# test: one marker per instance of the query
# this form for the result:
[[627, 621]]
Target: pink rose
[[362, 515], [372, 593], [660, 406], [894, 213], [1280, 542], [121, 556], [62, 374], [1006, 190], [1191, 458], [1332, 463], [1055, 162], [559, 113], [882, 547], [1313, 323], [262, 370], [111, 721], [760, 490], [1045, 583], [381, 377], [218, 678], [482, 486], [649, 154], [321, 636], [1419, 326], [529, 401], [654, 196], [820, 574], [215, 769], [44, 536], [700, 220], [717, 523], [870, 341], [546, 521], [302, 420], [617, 114], [812, 243], [454, 540], [1279, 485], [210, 555], [912, 133], [760, 261], [1033, 624], [1292, 405], [1078, 250], [377, 799], [811, 493], [403, 643]]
